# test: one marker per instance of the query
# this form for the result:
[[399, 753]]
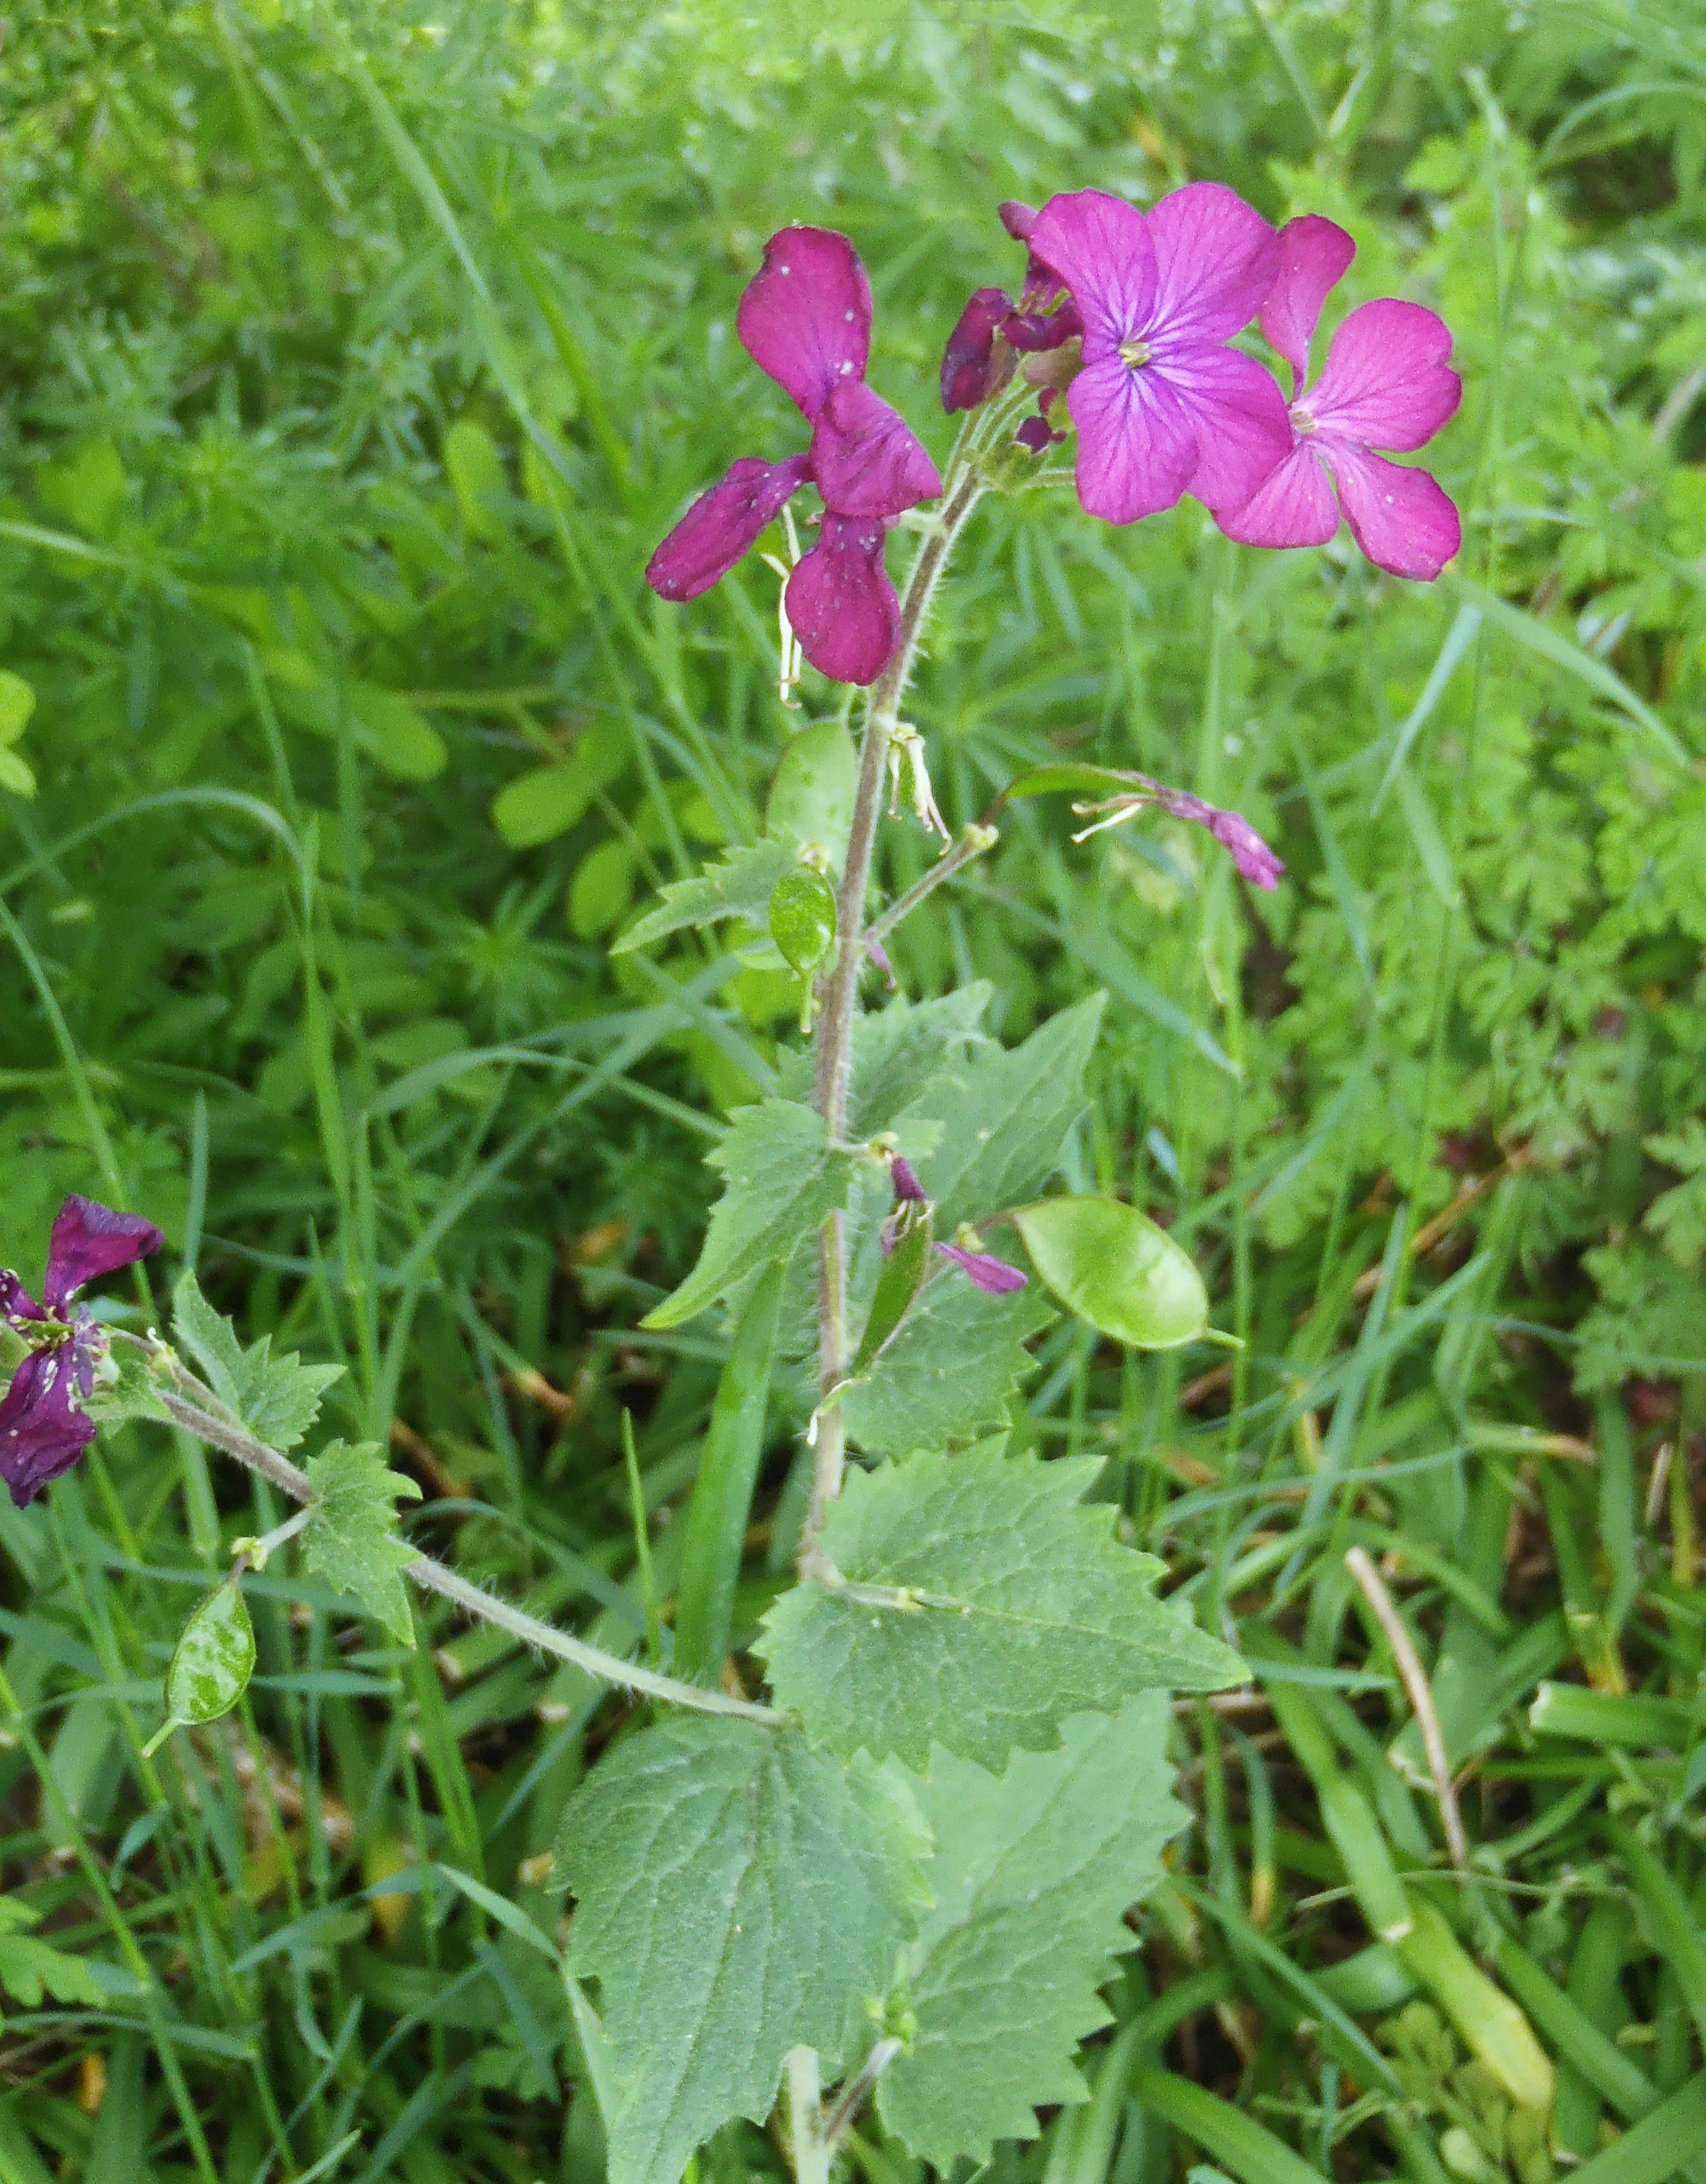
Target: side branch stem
[[195, 1416]]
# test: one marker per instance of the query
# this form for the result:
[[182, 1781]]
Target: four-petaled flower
[[1163, 407], [43, 1429], [805, 321], [1044, 318], [1385, 383], [993, 1276]]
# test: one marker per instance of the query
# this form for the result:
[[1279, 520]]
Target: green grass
[[372, 354]]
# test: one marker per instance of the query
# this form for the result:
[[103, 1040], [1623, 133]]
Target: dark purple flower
[[43, 1429], [1163, 407], [993, 1276], [1043, 318], [805, 321], [1385, 383], [1230, 829]]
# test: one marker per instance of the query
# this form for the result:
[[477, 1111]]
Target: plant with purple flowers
[[972, 1667]]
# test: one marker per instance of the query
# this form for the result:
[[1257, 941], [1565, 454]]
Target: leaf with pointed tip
[[738, 1893], [948, 1373], [900, 1054], [351, 1539], [980, 1601], [1031, 1876], [277, 1399], [781, 1183], [741, 887]]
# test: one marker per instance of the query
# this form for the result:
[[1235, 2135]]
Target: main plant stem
[[965, 486], [197, 1409]]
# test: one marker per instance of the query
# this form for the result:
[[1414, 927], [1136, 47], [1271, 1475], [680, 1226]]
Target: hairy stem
[[964, 488], [197, 1412], [973, 843]]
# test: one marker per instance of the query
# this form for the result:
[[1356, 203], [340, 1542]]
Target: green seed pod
[[1115, 1268], [802, 918], [811, 799], [211, 1664]]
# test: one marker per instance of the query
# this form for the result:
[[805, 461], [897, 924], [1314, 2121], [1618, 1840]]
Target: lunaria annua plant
[[919, 1804]]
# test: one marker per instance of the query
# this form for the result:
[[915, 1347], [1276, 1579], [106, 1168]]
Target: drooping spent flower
[[43, 1429], [1230, 829], [805, 321], [1044, 318], [993, 1276], [1163, 406], [1387, 383]]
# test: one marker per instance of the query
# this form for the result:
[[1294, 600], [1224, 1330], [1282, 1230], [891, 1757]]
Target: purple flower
[[1230, 829], [1385, 383], [1044, 318], [1163, 407], [993, 1276], [43, 1429], [805, 321]]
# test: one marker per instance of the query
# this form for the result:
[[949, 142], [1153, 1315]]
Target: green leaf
[[1112, 1266], [900, 1054], [979, 1601], [1031, 1876], [16, 774], [741, 887], [383, 723], [811, 799], [949, 1372], [29, 1969], [277, 1399], [351, 1539], [477, 477], [17, 704], [124, 1388], [781, 1184], [536, 807], [1006, 1116], [212, 1662], [736, 1894], [802, 917]]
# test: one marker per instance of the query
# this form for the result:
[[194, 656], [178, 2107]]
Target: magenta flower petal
[[966, 361], [905, 1180], [1036, 333], [1386, 382], [88, 1239], [1036, 435], [42, 1433], [839, 602], [1017, 219], [1239, 415], [805, 318], [866, 459], [1402, 520], [1137, 441], [1295, 507], [17, 1305], [994, 1277], [1216, 259], [722, 524], [1100, 248], [1315, 256]]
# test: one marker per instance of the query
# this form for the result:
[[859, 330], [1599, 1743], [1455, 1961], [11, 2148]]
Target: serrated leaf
[[736, 1894], [947, 1374], [980, 1602], [351, 1539], [741, 887], [276, 1398], [1031, 1875], [899, 1054], [124, 1388], [781, 1184], [1006, 1115], [29, 1969]]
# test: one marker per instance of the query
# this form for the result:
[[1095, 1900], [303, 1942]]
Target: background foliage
[[352, 363]]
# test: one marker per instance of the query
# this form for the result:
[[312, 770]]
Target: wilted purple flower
[[43, 1429], [1044, 318], [991, 1275], [805, 321], [1230, 829], [1386, 384], [1163, 407]]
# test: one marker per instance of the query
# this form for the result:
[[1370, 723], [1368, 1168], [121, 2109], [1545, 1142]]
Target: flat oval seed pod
[[802, 917], [1115, 1268], [211, 1664]]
